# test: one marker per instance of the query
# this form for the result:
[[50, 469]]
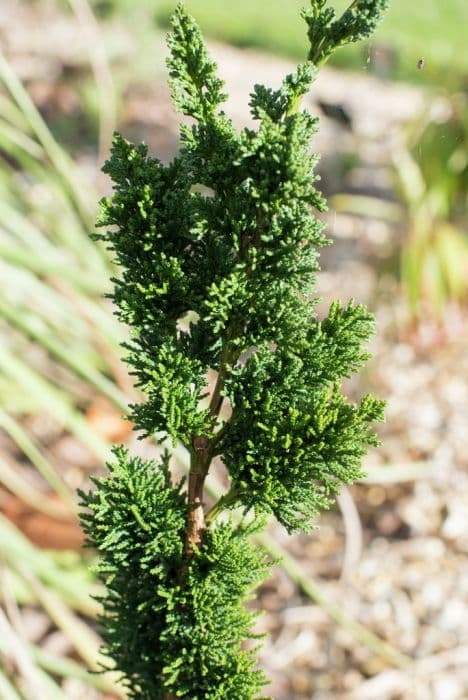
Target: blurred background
[[374, 604]]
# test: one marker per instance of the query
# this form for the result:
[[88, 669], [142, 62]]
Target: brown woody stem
[[201, 458], [201, 455]]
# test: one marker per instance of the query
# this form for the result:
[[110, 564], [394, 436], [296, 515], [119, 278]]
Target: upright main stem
[[201, 455], [199, 464]]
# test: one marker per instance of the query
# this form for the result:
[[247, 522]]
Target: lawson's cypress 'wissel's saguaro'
[[216, 255]]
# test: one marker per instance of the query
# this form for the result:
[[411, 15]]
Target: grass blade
[[30, 449], [76, 184], [54, 401], [74, 588], [7, 690]]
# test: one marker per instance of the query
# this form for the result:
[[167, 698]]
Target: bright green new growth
[[217, 253]]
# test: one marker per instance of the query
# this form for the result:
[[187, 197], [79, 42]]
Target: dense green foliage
[[218, 252], [190, 636]]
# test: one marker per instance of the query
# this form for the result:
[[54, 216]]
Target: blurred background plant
[[70, 71], [429, 171], [432, 181], [59, 352]]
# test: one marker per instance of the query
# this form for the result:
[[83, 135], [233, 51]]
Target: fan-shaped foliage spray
[[216, 256]]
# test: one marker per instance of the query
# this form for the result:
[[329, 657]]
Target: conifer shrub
[[217, 256]]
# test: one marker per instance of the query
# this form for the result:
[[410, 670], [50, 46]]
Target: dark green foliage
[[217, 255], [196, 89], [136, 521], [164, 636], [293, 438], [208, 622]]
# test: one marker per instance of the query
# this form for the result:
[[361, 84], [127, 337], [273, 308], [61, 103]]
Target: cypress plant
[[217, 256]]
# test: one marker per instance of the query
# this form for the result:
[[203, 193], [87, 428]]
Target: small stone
[[447, 687], [456, 523], [433, 595], [388, 522], [352, 679], [301, 682], [454, 615]]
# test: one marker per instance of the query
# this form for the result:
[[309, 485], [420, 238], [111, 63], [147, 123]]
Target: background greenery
[[434, 29]]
